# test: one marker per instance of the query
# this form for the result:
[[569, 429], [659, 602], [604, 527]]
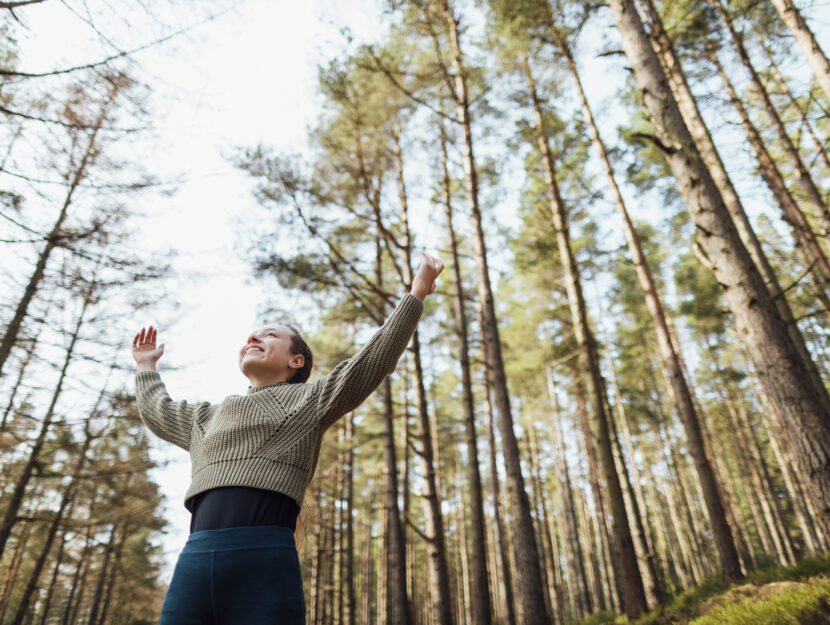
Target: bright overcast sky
[[244, 78]]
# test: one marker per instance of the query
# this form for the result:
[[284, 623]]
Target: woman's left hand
[[424, 281]]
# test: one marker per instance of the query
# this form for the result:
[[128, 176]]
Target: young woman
[[253, 457]]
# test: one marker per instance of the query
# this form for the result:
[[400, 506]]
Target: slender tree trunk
[[53, 582], [671, 360], [575, 559], [441, 599], [800, 172], [794, 103], [24, 364], [339, 521], [805, 238], [603, 578], [634, 600], [54, 237], [638, 502], [67, 501], [531, 588], [480, 588], [464, 601], [786, 379], [113, 574], [708, 153], [13, 568], [71, 605], [502, 569], [349, 501], [16, 498], [791, 16], [551, 570], [97, 596]]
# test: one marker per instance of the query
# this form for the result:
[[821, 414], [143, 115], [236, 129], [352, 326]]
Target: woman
[[253, 457]]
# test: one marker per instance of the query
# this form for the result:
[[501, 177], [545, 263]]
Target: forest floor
[[792, 595]]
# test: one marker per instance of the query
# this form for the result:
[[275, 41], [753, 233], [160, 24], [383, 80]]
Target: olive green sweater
[[270, 437]]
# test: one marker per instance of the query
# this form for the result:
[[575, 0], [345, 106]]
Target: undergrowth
[[788, 595]]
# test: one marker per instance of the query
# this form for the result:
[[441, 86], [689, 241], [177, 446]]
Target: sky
[[244, 78]]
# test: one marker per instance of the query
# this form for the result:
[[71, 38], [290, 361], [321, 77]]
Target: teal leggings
[[236, 575]]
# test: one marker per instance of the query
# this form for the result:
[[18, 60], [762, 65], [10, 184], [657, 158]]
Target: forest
[[616, 405]]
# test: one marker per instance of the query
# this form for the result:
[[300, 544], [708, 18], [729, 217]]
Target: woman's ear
[[297, 361]]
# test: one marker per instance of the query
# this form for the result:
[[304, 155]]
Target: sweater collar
[[256, 389]]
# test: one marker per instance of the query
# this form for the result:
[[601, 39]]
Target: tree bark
[[710, 157], [671, 361], [800, 172], [16, 498], [791, 16], [53, 239], [576, 567], [480, 588], [805, 238], [802, 115], [634, 600], [786, 378], [502, 569], [531, 588], [441, 600]]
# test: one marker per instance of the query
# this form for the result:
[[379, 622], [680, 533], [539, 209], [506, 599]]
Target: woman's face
[[268, 351]]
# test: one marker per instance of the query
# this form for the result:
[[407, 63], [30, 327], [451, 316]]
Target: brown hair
[[299, 346]]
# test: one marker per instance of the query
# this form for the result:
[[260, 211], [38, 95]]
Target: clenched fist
[[424, 281]]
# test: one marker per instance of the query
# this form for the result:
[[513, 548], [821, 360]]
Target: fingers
[[145, 338], [433, 262]]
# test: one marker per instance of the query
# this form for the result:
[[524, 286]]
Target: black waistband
[[241, 506]]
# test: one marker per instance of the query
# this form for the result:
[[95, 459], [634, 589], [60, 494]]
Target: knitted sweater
[[270, 438]]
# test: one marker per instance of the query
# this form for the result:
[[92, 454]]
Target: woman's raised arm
[[170, 420]]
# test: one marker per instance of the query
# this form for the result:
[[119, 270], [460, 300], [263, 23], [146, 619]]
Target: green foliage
[[605, 617], [755, 600], [793, 604]]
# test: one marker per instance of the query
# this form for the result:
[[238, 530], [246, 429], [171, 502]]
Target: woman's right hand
[[145, 352]]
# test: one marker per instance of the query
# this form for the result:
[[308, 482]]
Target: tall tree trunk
[[113, 573], [530, 586], [550, 570], [398, 608], [55, 235], [708, 153], [634, 600], [97, 596], [802, 232], [794, 103], [800, 172], [603, 577], [13, 567], [576, 566], [791, 16], [464, 596], [638, 501], [67, 501], [480, 588], [441, 599], [16, 498], [786, 379], [71, 604], [349, 506], [502, 570], [671, 359]]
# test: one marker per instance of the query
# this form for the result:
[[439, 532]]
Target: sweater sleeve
[[170, 420], [353, 380]]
